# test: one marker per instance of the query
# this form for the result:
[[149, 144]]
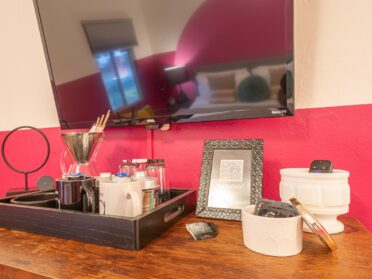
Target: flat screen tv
[[164, 61]]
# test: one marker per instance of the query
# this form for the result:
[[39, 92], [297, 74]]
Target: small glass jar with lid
[[128, 167], [156, 168]]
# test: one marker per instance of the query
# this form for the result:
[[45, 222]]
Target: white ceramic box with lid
[[272, 236], [326, 195]]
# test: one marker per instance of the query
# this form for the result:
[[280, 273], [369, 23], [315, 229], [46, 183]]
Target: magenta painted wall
[[26, 147], [341, 134]]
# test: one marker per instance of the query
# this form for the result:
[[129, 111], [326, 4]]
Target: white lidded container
[[325, 195], [272, 236]]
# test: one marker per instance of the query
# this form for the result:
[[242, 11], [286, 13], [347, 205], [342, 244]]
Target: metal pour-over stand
[[25, 172], [83, 148]]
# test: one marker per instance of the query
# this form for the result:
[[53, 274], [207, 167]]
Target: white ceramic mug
[[121, 198]]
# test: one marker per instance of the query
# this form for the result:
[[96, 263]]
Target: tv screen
[[163, 61]]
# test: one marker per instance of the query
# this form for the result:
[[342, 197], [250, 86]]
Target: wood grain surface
[[15, 273], [176, 254]]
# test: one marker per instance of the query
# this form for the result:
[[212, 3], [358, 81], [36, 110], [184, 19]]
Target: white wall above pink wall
[[333, 52], [333, 59], [25, 91]]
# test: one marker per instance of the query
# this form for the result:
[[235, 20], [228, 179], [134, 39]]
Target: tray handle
[[170, 215]]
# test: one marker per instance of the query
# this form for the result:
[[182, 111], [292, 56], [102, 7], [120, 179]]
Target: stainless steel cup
[[78, 194]]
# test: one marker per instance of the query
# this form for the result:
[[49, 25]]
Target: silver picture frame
[[231, 178]]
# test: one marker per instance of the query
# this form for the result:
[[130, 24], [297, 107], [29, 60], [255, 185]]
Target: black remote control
[[321, 166]]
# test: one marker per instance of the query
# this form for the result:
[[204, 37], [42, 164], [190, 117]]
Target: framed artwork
[[231, 178]]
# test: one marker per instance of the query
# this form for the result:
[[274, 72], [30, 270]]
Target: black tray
[[119, 232]]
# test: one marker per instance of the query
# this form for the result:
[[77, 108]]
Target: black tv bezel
[[157, 121]]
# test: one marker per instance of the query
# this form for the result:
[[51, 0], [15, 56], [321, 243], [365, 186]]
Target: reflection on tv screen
[[119, 79]]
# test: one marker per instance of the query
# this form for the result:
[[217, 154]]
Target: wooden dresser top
[[177, 255]]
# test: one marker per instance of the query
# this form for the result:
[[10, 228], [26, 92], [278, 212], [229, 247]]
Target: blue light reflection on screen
[[127, 76], [119, 78]]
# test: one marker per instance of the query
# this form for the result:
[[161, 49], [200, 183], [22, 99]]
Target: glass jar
[[156, 169], [128, 167]]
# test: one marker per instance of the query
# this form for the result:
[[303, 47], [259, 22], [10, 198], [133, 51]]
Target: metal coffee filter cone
[[82, 145]]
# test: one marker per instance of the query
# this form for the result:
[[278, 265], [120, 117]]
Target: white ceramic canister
[[280, 237], [325, 195], [150, 191]]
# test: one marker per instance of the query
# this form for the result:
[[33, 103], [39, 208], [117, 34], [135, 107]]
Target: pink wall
[[341, 134], [27, 147]]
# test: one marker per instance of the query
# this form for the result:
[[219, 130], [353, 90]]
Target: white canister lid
[[314, 224], [116, 178], [139, 174], [105, 175], [147, 182], [139, 161]]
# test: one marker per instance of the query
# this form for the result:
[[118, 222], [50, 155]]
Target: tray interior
[[131, 233], [174, 193]]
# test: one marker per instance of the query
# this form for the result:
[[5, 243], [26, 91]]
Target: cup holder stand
[[24, 172]]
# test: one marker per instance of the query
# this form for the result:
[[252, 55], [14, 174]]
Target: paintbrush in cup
[[93, 129], [105, 121], [102, 123]]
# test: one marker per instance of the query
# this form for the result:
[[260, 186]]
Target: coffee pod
[[314, 224]]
